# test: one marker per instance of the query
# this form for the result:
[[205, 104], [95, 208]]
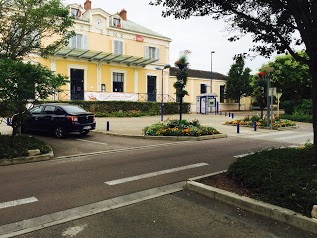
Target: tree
[[259, 85], [21, 81], [276, 26], [28, 26], [181, 81], [238, 82], [291, 77]]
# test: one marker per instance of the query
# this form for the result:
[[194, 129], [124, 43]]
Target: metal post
[[232, 116], [229, 114], [254, 125], [238, 128], [268, 109], [108, 126], [162, 101]]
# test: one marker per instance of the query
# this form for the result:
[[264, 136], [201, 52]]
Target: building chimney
[[123, 14], [87, 5]]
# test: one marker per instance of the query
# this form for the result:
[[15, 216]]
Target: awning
[[103, 57]]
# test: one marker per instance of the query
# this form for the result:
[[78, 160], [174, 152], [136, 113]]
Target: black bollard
[[232, 116], [254, 125], [108, 126], [238, 128], [229, 114]]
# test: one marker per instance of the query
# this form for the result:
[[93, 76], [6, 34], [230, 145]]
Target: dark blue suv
[[60, 119]]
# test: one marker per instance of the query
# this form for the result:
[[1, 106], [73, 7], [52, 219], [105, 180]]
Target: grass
[[23, 143], [283, 177]]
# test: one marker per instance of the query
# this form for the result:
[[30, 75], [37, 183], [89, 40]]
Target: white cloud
[[200, 35]]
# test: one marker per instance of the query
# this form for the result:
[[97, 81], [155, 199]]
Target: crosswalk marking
[[148, 175], [18, 202]]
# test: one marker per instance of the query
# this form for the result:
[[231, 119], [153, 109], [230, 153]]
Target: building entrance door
[[77, 84], [151, 88]]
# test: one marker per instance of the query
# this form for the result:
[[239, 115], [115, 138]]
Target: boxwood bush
[[283, 177]]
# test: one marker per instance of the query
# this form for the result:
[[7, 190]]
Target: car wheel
[[84, 132], [60, 132]]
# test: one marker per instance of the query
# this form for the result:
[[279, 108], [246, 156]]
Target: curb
[[29, 159], [177, 138], [265, 209]]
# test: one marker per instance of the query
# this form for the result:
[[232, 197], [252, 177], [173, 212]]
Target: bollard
[[238, 128], [232, 115], [229, 114], [108, 126], [254, 125]]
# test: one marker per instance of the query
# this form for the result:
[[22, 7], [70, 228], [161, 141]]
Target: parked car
[[60, 119]]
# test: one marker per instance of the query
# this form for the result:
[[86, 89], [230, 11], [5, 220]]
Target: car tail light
[[72, 118]]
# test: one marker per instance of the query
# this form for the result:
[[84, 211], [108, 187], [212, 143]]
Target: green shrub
[[288, 107], [23, 143], [284, 177], [305, 107], [299, 118]]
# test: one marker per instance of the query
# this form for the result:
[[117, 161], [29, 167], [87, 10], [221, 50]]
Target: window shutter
[[147, 52], [85, 42], [157, 53], [72, 42], [120, 47]]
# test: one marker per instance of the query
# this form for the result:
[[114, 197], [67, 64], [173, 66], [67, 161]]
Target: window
[[118, 47], [151, 52], [118, 79], [116, 22], [78, 41], [49, 110], [222, 93], [75, 12], [36, 110], [203, 88]]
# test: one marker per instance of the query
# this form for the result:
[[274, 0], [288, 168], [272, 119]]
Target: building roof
[[194, 73], [134, 27]]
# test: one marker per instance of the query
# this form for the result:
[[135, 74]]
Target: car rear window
[[73, 109]]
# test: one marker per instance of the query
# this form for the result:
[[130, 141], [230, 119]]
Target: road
[[115, 167]]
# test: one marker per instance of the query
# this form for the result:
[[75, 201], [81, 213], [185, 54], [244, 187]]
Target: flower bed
[[173, 127], [260, 122]]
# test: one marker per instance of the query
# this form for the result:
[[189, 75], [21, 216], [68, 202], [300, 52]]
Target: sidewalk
[[135, 125]]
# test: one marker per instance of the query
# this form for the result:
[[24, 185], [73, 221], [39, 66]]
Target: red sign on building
[[139, 38]]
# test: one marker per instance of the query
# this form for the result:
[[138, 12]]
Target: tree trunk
[[180, 107], [313, 70]]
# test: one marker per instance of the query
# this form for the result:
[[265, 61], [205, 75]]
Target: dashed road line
[[95, 142], [153, 174], [18, 202]]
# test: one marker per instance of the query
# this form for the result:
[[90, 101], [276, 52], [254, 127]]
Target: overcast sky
[[200, 35]]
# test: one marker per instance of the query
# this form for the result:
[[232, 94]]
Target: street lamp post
[[162, 95], [206, 100]]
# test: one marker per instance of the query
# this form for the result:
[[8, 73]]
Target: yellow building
[[114, 58], [199, 87], [110, 58]]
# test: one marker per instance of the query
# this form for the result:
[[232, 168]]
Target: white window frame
[[114, 50], [152, 52]]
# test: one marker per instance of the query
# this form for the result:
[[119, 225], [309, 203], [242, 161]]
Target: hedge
[[114, 107]]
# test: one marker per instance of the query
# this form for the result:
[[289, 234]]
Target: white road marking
[[95, 142], [18, 202], [148, 175], [295, 136], [73, 231], [243, 155]]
